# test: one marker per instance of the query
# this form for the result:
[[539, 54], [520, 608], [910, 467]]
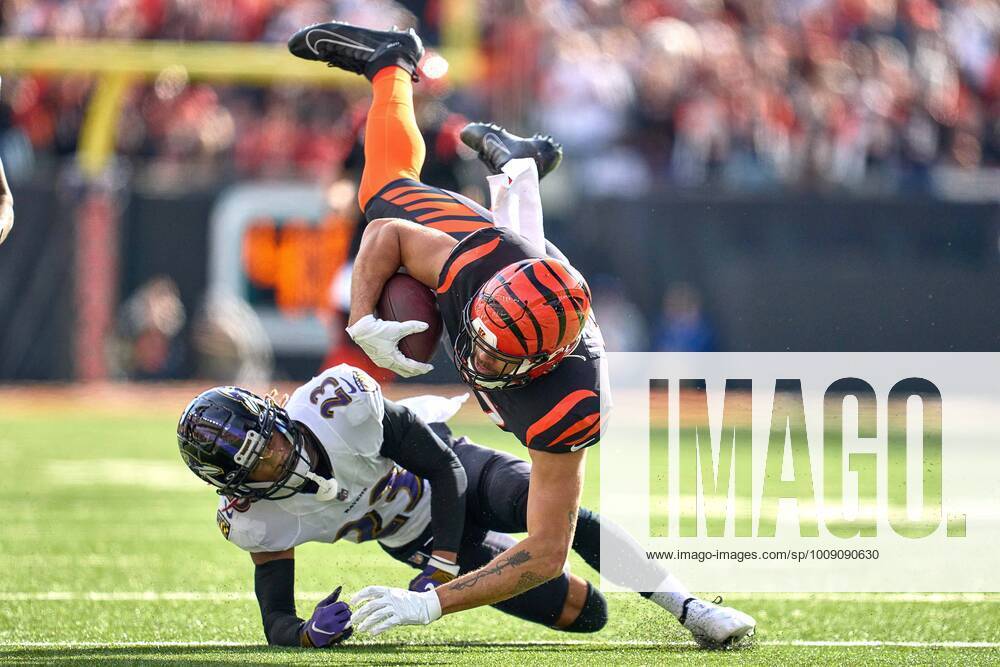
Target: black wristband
[[274, 583]]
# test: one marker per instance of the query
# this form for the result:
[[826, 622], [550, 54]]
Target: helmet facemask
[[294, 470], [224, 433], [522, 323], [477, 341]]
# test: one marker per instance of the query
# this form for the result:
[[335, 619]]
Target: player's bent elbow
[[551, 568], [375, 229], [551, 559], [383, 237]]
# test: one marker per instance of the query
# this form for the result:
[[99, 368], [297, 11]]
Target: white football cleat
[[714, 626]]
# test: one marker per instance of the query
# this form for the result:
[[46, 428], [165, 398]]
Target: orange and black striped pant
[[394, 156]]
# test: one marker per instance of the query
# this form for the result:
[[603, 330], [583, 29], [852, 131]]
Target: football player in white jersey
[[339, 461]]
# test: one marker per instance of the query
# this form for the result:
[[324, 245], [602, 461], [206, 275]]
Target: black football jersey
[[443, 210], [557, 412]]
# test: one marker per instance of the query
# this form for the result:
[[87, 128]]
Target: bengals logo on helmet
[[522, 323]]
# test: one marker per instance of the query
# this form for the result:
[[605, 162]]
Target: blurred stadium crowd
[[740, 94]]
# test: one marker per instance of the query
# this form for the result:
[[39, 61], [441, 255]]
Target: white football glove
[[387, 608], [380, 341], [6, 219], [6, 214]]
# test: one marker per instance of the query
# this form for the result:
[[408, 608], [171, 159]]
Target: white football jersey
[[376, 498]]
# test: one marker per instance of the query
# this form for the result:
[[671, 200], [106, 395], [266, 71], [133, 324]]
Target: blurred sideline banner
[[275, 246], [805, 272], [775, 272], [37, 263]]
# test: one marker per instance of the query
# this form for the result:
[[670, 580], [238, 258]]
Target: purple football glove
[[437, 571], [330, 623]]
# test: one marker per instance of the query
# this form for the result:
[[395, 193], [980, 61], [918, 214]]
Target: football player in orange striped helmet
[[519, 320], [522, 323]]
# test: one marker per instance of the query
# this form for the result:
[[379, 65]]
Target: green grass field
[[111, 554]]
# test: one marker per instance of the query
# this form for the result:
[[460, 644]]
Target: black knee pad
[[594, 614]]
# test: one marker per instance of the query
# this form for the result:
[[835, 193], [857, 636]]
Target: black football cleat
[[358, 50], [496, 147]]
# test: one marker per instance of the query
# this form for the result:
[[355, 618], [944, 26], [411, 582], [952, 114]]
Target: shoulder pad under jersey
[[343, 407]]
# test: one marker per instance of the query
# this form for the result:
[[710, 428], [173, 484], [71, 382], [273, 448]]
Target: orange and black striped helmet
[[522, 323]]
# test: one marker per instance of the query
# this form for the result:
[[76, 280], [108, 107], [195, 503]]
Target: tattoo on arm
[[514, 560], [528, 581]]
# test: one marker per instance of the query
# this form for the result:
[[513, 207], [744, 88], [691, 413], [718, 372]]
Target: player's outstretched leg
[[500, 503], [712, 625], [496, 147], [394, 148], [358, 50]]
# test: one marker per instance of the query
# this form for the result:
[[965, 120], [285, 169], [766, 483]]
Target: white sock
[[670, 595]]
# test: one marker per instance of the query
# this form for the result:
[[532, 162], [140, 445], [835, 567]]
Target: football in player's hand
[[406, 298]]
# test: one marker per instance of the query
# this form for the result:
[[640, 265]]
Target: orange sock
[[394, 148]]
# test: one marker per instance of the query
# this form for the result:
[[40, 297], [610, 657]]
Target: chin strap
[[232, 501], [327, 488]]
